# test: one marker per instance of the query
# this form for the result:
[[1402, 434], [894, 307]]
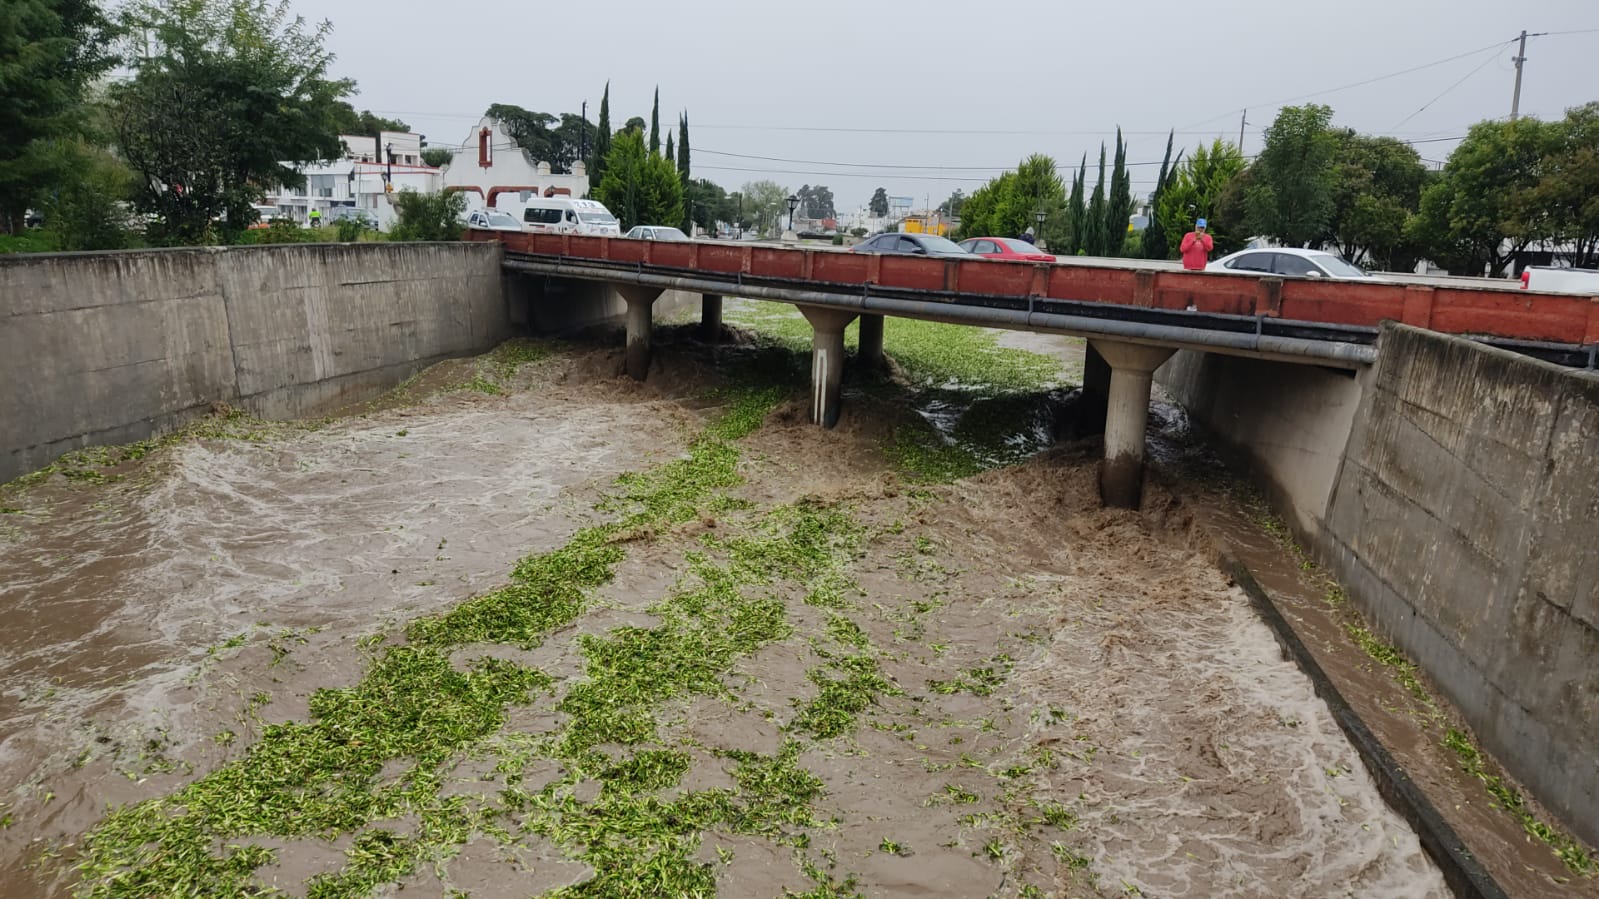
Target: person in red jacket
[[1196, 248]]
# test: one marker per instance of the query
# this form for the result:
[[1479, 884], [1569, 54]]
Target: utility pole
[[1521, 57], [583, 136], [1242, 121]]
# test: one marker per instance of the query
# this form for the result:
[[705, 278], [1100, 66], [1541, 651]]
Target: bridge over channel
[[1133, 317]]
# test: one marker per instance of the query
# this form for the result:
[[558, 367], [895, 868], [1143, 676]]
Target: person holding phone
[[1196, 248]]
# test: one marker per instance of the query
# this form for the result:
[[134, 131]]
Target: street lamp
[[1038, 236], [793, 203]]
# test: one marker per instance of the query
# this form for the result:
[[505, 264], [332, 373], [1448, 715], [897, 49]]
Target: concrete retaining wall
[[1454, 491], [100, 348], [1465, 522]]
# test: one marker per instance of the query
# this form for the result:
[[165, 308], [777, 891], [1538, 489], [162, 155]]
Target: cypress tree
[[671, 155], [1119, 202], [655, 125], [1155, 242], [602, 140], [1076, 212], [682, 148], [1094, 240]]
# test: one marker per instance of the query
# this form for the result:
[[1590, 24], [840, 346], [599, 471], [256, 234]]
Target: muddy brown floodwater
[[1079, 702]]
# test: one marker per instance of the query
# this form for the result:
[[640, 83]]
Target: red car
[[1009, 248]]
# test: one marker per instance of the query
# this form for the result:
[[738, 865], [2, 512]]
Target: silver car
[[655, 232], [492, 220], [1289, 262]]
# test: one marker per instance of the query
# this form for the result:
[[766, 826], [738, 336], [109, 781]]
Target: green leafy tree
[[1197, 191], [364, 122], [635, 124], [815, 202], [602, 139], [765, 203], [1009, 205], [711, 204], [1292, 197], [530, 130], [50, 52], [655, 124], [1377, 184], [952, 206], [573, 139], [1153, 244], [260, 77], [640, 188], [1568, 187], [1095, 241], [434, 216], [1482, 209], [438, 157], [879, 203]]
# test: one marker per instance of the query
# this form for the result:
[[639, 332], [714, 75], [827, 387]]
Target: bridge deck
[[1243, 313]]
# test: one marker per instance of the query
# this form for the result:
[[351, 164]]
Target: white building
[[364, 179], [493, 171]]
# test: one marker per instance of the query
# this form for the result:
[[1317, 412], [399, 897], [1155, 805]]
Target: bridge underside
[[1127, 343]]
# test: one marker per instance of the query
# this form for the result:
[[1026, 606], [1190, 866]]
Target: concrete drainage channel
[[1461, 870]]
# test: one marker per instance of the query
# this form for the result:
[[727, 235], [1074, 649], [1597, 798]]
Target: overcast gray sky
[[926, 96]]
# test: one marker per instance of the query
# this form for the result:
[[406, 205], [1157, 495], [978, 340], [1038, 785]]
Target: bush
[[428, 216], [858, 232], [86, 209], [838, 240], [30, 241], [280, 231], [349, 229]]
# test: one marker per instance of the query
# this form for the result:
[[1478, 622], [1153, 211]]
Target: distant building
[[495, 172], [364, 179]]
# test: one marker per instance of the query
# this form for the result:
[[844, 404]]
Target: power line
[[1446, 91], [1355, 84], [897, 166]]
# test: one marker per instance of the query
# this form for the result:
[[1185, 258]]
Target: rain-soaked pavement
[[211, 587]]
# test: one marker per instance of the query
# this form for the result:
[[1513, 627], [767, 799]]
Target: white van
[[564, 215]]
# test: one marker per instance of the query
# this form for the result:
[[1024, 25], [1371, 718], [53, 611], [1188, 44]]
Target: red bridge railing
[[1504, 313]]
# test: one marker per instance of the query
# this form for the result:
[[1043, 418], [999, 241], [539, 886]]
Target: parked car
[[1548, 279], [1289, 262], [911, 245], [1006, 248], [655, 232], [492, 220]]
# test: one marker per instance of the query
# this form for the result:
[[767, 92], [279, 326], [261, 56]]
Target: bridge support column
[[827, 361], [640, 315], [871, 348], [1132, 369], [710, 318], [1096, 392]]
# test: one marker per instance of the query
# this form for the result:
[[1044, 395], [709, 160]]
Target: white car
[[655, 232], [492, 220], [1289, 262]]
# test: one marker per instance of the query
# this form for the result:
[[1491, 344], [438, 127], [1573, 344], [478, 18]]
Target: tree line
[[1508, 186]]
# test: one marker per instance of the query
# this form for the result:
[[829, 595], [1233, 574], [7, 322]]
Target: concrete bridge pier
[[1096, 392], [640, 314], [871, 344], [710, 318], [1132, 368], [827, 361]]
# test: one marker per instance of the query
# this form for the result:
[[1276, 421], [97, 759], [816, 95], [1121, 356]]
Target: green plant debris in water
[[1572, 853], [372, 761]]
